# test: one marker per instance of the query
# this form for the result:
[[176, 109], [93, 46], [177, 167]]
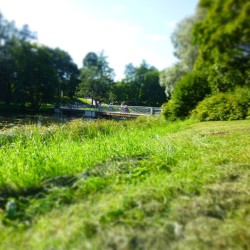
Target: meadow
[[141, 184]]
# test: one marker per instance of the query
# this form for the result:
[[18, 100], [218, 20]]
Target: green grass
[[143, 184], [85, 100]]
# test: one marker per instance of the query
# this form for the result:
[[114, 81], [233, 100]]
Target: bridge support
[[90, 113]]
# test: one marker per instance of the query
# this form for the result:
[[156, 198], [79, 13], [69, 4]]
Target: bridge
[[108, 111]]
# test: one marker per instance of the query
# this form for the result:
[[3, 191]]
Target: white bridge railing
[[131, 109]]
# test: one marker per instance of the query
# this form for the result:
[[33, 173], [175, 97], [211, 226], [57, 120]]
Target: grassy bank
[[140, 184]]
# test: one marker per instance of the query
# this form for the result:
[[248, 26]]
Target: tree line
[[211, 79], [33, 75]]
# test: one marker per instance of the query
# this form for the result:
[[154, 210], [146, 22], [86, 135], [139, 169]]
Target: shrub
[[224, 106], [191, 89], [171, 110]]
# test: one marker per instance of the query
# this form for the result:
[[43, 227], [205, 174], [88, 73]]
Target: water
[[8, 121]]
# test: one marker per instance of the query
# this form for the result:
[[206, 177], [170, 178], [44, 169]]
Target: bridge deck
[[119, 114], [109, 111]]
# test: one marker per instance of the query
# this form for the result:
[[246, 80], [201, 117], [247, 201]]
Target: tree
[[152, 94], [130, 72], [140, 86], [10, 40], [190, 90], [182, 38], [30, 73], [185, 50], [90, 60], [67, 73], [96, 77], [170, 76], [223, 37], [120, 92], [36, 76], [130, 85], [140, 82]]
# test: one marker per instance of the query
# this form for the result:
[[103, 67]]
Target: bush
[[170, 110], [224, 106], [191, 89]]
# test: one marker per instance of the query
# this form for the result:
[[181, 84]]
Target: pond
[[8, 121]]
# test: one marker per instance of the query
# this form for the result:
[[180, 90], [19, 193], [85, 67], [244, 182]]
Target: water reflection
[[8, 121]]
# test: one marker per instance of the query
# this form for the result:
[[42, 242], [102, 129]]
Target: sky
[[127, 31]]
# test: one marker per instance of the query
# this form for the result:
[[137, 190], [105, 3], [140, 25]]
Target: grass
[[143, 184]]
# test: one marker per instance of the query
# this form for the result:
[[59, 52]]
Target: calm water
[[8, 121]]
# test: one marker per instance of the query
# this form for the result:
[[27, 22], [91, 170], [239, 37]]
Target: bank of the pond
[[142, 184]]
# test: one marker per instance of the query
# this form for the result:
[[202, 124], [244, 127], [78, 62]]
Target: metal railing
[[139, 110], [131, 109]]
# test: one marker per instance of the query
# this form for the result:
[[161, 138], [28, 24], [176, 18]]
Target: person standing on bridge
[[99, 105], [124, 107]]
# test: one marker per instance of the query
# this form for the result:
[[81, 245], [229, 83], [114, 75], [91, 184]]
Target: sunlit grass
[[143, 184]]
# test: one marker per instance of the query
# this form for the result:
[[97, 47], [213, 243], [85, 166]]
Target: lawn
[[142, 184]]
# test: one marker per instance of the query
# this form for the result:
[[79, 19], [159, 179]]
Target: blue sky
[[128, 31]]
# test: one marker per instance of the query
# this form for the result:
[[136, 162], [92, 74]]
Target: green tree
[[185, 50], [130, 85], [140, 86], [67, 73], [31, 74], [182, 38], [130, 71], [96, 77], [223, 37], [10, 39], [36, 76], [120, 92], [170, 76], [152, 94], [189, 91]]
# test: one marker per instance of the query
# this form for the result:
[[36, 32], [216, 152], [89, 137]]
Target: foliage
[[224, 106], [185, 50], [190, 90], [143, 184], [130, 72], [223, 37], [31, 86], [96, 77], [151, 93], [223, 79], [182, 38], [10, 39], [32, 74], [171, 110], [67, 72], [170, 76], [139, 87], [221, 34]]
